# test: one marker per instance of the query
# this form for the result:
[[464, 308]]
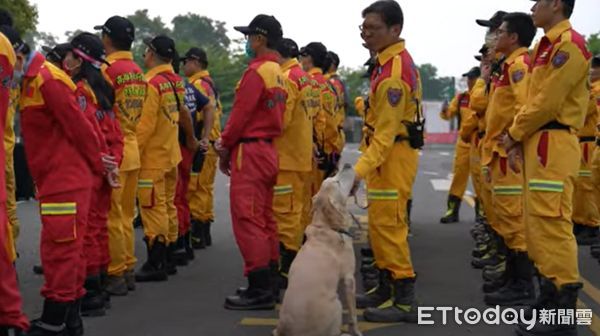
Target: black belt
[[555, 125], [587, 139], [480, 135], [249, 140], [598, 142]]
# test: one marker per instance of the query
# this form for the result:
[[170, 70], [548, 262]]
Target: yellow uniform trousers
[[288, 207], [11, 208], [551, 166], [595, 168], [170, 190], [307, 201], [121, 240], [388, 189], [460, 169], [201, 189], [507, 201], [475, 165], [585, 206], [152, 198]]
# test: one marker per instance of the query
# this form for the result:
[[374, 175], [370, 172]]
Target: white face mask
[[17, 76]]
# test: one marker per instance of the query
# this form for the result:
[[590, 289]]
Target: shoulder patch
[[518, 76], [6, 81], [82, 102], [394, 96], [560, 58]]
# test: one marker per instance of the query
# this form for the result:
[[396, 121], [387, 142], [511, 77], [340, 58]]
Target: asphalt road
[[191, 303]]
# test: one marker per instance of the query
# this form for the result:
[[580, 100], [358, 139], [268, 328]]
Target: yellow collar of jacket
[[391, 51], [289, 64], [198, 75], [554, 33], [158, 69]]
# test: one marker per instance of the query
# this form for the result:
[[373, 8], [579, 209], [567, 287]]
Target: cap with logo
[[196, 54], [266, 25], [316, 50], [57, 53], [162, 45], [89, 47], [118, 28], [475, 72], [494, 22]]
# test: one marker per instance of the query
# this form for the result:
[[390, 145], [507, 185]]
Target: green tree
[[145, 27], [593, 43], [40, 38], [25, 15], [357, 84], [434, 87]]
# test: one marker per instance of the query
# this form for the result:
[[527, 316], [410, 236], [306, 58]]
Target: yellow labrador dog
[[311, 306]]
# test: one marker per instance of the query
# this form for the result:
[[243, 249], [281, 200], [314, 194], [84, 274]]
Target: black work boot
[[154, 269], [258, 296], [170, 266], [286, 259], [595, 250], [187, 245], [74, 323], [10, 331], [402, 307], [519, 290], [52, 322], [105, 294], [38, 269], [93, 303], [178, 254], [498, 276], [496, 255], [366, 252], [379, 294], [198, 241], [206, 233], [370, 281], [565, 298], [451, 215], [587, 236]]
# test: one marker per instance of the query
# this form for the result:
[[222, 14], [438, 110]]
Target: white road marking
[[440, 184], [430, 173], [445, 153]]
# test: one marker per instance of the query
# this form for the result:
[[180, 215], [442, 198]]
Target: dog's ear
[[335, 213]]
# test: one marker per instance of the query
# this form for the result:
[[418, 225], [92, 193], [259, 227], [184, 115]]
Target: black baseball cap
[[288, 48], [197, 54], [58, 52], [89, 47], [475, 72], [266, 25], [118, 28], [494, 22], [482, 52], [162, 45], [316, 50], [335, 59], [13, 36]]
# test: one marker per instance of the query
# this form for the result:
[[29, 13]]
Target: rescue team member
[[96, 99], [595, 96], [12, 318], [201, 186], [325, 134], [248, 155], [128, 82], [157, 134], [514, 37], [459, 106], [64, 184], [199, 109], [586, 218], [341, 94], [56, 55], [544, 135], [389, 163], [294, 148]]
